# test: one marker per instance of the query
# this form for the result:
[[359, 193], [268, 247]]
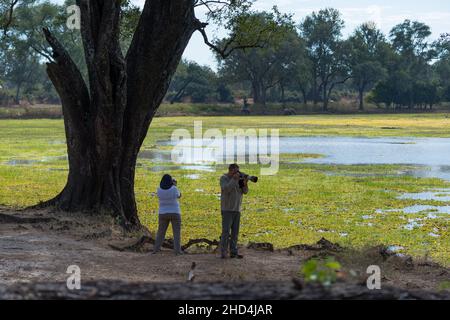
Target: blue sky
[[386, 14]]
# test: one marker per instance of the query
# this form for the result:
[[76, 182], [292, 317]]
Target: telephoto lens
[[243, 176]]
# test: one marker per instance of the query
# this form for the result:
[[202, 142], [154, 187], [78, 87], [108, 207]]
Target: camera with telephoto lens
[[243, 176]]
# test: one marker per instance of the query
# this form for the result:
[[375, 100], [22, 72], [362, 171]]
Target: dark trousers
[[164, 220], [230, 232]]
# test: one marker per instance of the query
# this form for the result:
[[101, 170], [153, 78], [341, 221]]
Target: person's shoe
[[179, 253], [236, 256]]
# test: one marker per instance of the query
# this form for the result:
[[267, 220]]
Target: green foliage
[[26, 49], [409, 38], [200, 83], [321, 271], [444, 286], [329, 54], [442, 66], [275, 61], [8, 14], [225, 13], [366, 58], [129, 21], [410, 78], [268, 56]]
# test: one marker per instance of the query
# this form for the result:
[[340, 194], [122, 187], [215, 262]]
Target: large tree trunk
[[107, 123], [257, 92], [361, 99], [305, 96], [325, 97], [315, 89], [17, 95], [263, 100], [177, 97]]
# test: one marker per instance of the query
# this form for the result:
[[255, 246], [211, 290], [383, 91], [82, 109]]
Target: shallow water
[[412, 224], [350, 151], [204, 168], [438, 195], [21, 162], [420, 208], [431, 154]]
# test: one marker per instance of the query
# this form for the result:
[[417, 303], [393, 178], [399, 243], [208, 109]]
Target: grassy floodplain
[[299, 205]]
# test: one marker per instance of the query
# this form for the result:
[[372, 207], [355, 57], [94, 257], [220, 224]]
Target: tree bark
[[256, 92], [325, 97], [17, 95], [179, 94], [315, 92], [305, 96], [263, 97], [315, 88], [259, 93], [283, 99], [361, 99], [107, 123]]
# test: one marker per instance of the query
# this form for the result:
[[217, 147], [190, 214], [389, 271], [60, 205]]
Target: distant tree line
[[311, 61], [24, 50], [301, 62]]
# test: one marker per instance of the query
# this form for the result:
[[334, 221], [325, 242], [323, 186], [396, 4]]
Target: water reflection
[[420, 208], [431, 155]]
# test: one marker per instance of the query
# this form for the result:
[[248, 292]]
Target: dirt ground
[[39, 246]]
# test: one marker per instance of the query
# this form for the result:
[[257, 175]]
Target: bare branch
[[227, 50], [9, 20], [65, 75], [59, 52], [206, 3], [42, 52]]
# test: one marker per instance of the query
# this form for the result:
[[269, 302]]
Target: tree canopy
[[265, 54]]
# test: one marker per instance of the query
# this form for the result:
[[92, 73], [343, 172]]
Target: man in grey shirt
[[230, 202]]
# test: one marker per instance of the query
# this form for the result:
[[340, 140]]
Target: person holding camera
[[233, 186], [169, 212]]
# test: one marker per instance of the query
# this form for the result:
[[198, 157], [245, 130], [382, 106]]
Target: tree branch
[[10, 17], [66, 76], [199, 3], [336, 83], [226, 51]]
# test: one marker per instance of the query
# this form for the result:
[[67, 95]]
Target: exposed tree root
[[44, 204], [139, 246], [322, 244], [198, 241], [168, 243], [261, 246]]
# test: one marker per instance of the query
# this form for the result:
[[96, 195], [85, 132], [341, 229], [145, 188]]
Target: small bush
[[323, 272]]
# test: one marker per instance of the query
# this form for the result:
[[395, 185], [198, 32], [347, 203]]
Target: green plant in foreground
[[444, 286], [323, 272]]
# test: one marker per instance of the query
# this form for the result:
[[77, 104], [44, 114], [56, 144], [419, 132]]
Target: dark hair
[[166, 182], [233, 166]]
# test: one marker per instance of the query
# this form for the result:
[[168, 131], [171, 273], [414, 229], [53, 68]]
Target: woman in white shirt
[[169, 212]]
